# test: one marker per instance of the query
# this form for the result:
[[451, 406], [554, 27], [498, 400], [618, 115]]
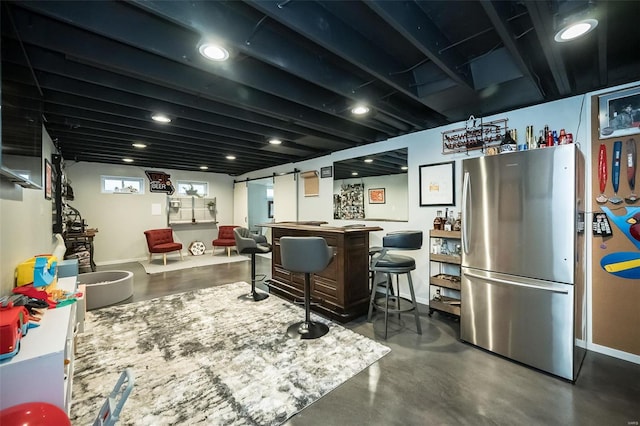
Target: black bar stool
[[308, 255], [395, 264], [249, 243]]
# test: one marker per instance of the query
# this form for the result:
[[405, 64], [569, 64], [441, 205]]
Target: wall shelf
[[191, 210]]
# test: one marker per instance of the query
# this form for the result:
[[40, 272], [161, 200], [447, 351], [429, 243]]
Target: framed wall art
[[376, 196], [48, 179], [619, 113], [437, 184]]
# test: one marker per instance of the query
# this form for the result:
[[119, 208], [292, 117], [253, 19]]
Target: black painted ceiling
[[296, 69]]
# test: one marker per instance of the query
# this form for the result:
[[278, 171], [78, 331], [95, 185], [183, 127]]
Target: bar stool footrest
[[405, 305]]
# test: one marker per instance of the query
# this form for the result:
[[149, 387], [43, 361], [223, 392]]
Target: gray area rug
[[208, 357]]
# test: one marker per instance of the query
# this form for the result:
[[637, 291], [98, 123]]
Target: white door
[[240, 204], [285, 198]]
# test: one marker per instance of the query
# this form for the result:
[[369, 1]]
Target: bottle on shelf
[[457, 225], [438, 222], [448, 224]]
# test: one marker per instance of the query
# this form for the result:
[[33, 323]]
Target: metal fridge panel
[[519, 213], [526, 320]]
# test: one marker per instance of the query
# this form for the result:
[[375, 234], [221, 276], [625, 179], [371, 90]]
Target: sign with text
[[159, 182]]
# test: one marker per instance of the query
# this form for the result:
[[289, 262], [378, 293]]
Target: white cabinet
[[42, 371]]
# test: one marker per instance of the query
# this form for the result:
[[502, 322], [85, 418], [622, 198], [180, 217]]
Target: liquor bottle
[[438, 222], [448, 224], [531, 140], [562, 138], [457, 225]]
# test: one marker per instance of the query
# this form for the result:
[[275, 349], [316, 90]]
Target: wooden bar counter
[[341, 291]]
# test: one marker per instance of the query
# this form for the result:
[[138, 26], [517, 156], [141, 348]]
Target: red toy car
[[14, 323]]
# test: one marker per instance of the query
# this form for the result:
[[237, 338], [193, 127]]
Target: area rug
[[174, 264], [211, 357]]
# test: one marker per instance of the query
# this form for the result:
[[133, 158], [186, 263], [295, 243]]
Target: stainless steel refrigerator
[[523, 261]]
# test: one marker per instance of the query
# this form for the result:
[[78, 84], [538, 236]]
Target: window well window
[[187, 188], [122, 185]]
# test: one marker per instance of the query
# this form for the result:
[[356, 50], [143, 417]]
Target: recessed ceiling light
[[354, 173], [215, 52], [275, 141], [404, 168], [368, 160], [138, 145], [360, 109], [128, 160], [230, 157], [575, 30], [204, 168], [161, 118]]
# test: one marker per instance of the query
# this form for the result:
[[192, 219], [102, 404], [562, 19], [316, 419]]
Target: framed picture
[[376, 196], [619, 113], [270, 209], [48, 179], [326, 172], [437, 184]]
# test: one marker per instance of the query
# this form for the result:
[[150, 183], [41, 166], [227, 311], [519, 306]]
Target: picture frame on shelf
[[619, 113], [377, 196], [437, 184]]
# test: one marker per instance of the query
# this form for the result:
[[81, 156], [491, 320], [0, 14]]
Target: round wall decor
[[196, 248]]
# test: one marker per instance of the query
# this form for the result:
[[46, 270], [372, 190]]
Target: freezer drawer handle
[[498, 280]]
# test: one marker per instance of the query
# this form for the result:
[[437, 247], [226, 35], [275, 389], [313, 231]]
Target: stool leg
[[307, 329], [386, 309], [415, 304], [256, 296], [372, 299]]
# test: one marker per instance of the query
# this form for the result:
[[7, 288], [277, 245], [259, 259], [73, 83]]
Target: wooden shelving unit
[[447, 277]]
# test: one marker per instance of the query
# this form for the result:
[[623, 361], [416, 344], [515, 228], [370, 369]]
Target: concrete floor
[[433, 378]]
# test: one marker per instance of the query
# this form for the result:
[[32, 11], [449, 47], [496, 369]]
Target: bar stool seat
[[308, 255], [393, 264]]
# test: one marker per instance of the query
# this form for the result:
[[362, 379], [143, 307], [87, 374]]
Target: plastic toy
[[14, 324], [34, 414]]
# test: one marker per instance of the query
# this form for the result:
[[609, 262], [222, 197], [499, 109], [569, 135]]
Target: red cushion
[[224, 242], [166, 247]]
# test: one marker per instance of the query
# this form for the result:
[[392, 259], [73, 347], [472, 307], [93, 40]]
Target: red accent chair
[[226, 238], [161, 241]]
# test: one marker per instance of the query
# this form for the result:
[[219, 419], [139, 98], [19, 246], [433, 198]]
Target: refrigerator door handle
[[516, 283], [466, 207]]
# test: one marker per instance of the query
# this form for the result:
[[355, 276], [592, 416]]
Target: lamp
[[575, 22]]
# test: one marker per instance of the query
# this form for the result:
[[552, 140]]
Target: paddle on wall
[[615, 172], [625, 264], [631, 170]]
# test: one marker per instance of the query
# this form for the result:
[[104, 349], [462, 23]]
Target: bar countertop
[[321, 226]]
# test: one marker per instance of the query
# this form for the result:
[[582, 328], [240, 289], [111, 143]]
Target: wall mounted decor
[[437, 184], [619, 113], [376, 196]]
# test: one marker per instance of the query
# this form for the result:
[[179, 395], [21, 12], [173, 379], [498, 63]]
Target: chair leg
[[213, 250], [180, 251], [372, 298], [164, 258], [149, 257], [228, 251]]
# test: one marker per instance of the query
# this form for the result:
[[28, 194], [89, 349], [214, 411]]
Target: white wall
[[121, 219], [25, 224], [396, 205]]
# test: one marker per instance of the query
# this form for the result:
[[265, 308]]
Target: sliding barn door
[[240, 204], [285, 198]]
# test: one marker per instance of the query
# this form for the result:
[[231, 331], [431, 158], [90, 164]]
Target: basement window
[[187, 188], [122, 185]]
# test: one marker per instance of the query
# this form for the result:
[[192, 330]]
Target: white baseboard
[[614, 353]]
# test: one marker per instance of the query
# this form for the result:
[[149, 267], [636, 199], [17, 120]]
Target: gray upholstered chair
[[308, 255], [249, 243], [393, 264]]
